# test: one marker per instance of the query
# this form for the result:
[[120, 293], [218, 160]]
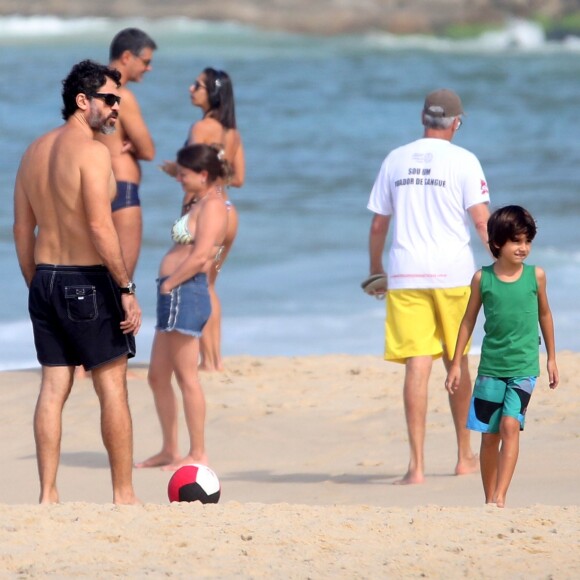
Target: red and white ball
[[194, 482]]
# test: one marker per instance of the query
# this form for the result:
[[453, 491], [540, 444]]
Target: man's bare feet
[[127, 498], [410, 479], [48, 497], [210, 369], [467, 466], [161, 459], [187, 460]]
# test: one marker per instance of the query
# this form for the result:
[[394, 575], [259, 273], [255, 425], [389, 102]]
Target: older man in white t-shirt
[[428, 190]]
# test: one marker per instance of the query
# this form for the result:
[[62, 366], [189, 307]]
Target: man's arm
[[24, 231], [96, 175], [377, 237], [96, 178], [479, 214], [140, 141]]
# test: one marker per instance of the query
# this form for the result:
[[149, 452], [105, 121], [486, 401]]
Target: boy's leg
[[509, 431], [485, 416], [489, 458]]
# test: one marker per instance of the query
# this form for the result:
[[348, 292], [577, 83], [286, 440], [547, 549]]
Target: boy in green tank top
[[514, 300]]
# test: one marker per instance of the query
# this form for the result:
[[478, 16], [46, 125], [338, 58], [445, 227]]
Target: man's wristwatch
[[129, 289]]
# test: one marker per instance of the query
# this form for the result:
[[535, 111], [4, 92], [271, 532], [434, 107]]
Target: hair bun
[[228, 171]]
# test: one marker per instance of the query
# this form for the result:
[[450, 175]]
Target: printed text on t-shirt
[[420, 179]]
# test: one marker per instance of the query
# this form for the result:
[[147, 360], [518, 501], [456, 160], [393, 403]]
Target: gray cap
[[443, 103]]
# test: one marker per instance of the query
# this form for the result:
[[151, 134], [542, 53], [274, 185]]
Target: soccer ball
[[194, 482]]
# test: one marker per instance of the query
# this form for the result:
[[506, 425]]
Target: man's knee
[[110, 376], [56, 382]]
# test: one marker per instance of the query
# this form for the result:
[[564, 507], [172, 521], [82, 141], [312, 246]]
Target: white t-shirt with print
[[427, 186]]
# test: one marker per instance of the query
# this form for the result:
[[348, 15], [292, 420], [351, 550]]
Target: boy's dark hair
[[86, 77], [507, 224], [132, 39], [200, 157], [220, 93]]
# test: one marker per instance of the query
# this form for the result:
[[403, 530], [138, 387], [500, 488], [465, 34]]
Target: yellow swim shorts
[[424, 322]]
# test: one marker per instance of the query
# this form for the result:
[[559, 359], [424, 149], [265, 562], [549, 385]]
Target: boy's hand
[[453, 378], [553, 375]]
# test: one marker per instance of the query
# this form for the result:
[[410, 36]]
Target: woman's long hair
[[220, 94]]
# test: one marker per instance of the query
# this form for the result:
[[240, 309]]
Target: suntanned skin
[[210, 131], [129, 144], [62, 215], [418, 369], [174, 353], [498, 463]]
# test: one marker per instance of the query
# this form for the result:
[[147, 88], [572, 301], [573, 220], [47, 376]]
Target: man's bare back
[[58, 202], [65, 184]]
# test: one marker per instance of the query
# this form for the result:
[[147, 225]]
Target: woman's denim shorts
[[186, 309]]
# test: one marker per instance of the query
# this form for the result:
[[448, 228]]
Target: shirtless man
[[81, 299], [131, 53]]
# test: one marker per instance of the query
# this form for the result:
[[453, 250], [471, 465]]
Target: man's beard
[[100, 124], [107, 129]]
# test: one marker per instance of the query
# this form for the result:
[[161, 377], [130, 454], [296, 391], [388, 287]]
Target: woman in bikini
[[183, 303], [213, 93]]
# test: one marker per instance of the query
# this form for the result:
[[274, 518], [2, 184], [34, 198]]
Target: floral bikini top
[[180, 234]]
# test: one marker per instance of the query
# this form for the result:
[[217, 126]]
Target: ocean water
[[317, 116]]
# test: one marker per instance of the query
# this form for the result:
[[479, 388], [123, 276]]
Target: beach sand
[[306, 450]]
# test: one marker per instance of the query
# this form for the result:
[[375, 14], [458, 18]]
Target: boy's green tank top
[[510, 346]]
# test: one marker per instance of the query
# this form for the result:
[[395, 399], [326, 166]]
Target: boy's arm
[[547, 327], [465, 331]]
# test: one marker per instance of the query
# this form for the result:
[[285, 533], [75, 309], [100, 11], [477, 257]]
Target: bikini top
[[180, 232], [180, 235]]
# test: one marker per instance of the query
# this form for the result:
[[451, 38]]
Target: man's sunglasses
[[109, 98]]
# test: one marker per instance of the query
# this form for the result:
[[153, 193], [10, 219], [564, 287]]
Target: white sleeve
[[475, 188], [380, 198]]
